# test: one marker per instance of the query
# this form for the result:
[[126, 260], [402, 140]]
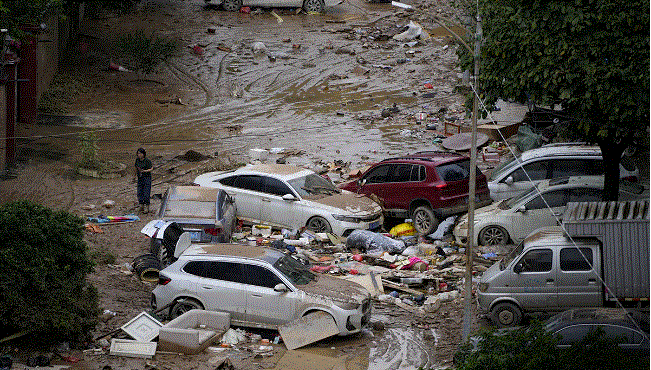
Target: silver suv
[[551, 162], [259, 287]]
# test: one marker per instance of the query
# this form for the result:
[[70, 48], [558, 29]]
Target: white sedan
[[316, 6], [515, 218], [291, 197]]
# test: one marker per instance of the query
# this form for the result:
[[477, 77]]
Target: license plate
[[374, 225], [195, 236]]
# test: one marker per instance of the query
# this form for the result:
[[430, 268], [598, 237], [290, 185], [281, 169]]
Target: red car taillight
[[441, 186], [213, 231], [163, 280]]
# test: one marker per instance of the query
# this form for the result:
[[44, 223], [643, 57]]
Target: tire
[[184, 305], [318, 224], [232, 5], [316, 6], [493, 235], [425, 222], [506, 314]]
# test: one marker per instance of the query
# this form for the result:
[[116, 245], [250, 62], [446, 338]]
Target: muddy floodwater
[[326, 87]]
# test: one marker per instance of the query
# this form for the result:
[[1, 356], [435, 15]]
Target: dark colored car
[[425, 186], [629, 328]]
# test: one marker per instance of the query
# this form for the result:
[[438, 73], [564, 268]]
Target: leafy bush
[[534, 348], [43, 268], [144, 52]]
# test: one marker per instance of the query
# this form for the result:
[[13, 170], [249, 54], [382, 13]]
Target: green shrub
[[144, 52], [43, 268]]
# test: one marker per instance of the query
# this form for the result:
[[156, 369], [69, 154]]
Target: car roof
[[561, 150], [622, 317], [435, 157], [232, 250], [552, 235], [283, 171]]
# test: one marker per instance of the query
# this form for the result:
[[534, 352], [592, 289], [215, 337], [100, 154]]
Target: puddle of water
[[442, 32]]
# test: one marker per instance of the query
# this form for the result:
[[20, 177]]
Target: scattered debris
[[308, 329]]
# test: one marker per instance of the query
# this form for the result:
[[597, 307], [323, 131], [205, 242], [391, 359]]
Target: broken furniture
[[193, 331]]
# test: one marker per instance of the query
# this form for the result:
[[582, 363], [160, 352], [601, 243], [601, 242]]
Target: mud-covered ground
[[322, 99]]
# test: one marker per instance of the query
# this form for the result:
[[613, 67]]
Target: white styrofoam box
[[258, 154], [143, 327], [132, 348]]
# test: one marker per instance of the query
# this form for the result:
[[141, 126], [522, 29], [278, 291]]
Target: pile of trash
[[413, 272]]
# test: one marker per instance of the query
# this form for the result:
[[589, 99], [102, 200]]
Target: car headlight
[[346, 218], [347, 305], [483, 287]]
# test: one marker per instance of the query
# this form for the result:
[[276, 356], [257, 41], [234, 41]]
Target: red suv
[[425, 186]]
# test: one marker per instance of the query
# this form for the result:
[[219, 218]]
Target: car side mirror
[[280, 287], [289, 197], [517, 268], [522, 209], [509, 180], [361, 182]]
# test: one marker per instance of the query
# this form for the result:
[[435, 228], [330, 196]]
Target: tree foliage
[[593, 55], [534, 348], [144, 52], [43, 267]]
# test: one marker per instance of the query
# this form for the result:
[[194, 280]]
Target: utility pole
[[467, 315]]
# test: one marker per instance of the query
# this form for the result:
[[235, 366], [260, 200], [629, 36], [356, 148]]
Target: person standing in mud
[[143, 170]]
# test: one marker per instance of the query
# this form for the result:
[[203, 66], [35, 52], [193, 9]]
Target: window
[[621, 334], [536, 170], [248, 182], [571, 334], [260, 276], [577, 167], [454, 171], [573, 260], [585, 195], [275, 187], [196, 268], [401, 173], [554, 199], [378, 175], [418, 173], [228, 181], [537, 260], [227, 271]]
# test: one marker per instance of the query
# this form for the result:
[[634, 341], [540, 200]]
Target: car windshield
[[504, 167], [509, 257], [509, 203], [313, 186], [293, 270]]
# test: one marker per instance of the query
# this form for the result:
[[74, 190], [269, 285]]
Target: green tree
[[591, 54], [43, 268]]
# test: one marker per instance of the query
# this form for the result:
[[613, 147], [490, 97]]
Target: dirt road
[[319, 89]]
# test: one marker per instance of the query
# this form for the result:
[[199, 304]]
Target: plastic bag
[[373, 243]]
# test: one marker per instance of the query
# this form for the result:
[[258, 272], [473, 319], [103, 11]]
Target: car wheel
[[425, 222], [506, 314], [493, 235], [319, 224], [184, 305], [232, 5], [316, 6]]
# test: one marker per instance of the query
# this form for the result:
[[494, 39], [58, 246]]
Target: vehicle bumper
[[484, 301], [460, 233], [344, 228], [352, 321]]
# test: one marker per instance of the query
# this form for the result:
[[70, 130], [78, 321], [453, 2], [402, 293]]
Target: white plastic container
[[258, 154]]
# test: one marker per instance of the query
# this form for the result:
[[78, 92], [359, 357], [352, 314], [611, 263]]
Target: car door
[[537, 171], [536, 214], [577, 277], [404, 183], [264, 304], [375, 181], [534, 286], [274, 209], [222, 288], [245, 190]]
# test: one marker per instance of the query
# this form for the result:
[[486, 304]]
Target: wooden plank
[[308, 329], [389, 284]]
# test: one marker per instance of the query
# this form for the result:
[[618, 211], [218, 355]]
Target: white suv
[[259, 287], [551, 162]]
